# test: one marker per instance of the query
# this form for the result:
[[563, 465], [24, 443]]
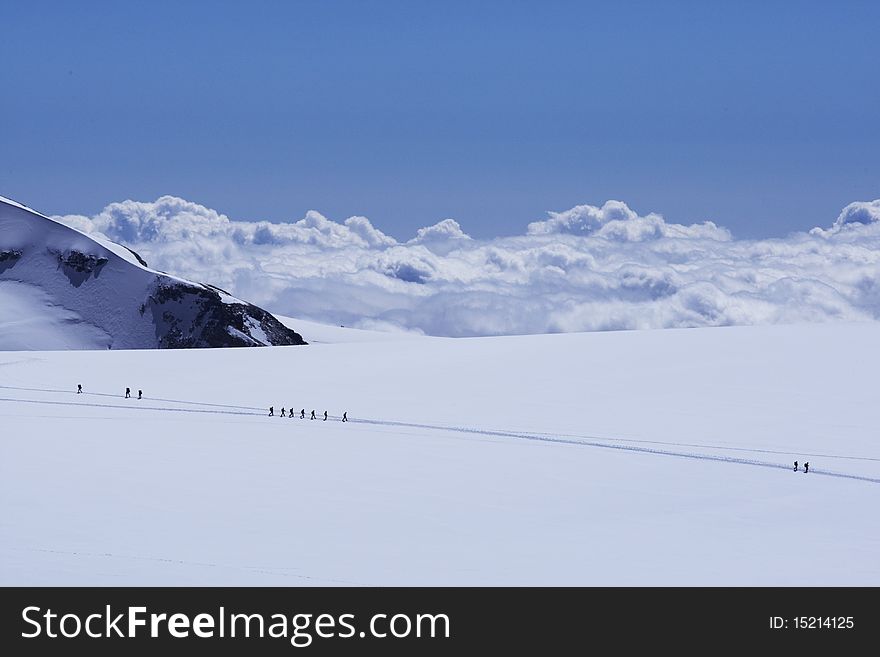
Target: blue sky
[[760, 116]]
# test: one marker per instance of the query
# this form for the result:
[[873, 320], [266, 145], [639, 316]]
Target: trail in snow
[[270, 570], [120, 396], [19, 362], [606, 445], [126, 408], [709, 446], [564, 439]]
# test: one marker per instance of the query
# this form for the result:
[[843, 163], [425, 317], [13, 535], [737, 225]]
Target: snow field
[[513, 474]]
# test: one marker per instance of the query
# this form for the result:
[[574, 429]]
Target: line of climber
[[302, 414], [79, 391]]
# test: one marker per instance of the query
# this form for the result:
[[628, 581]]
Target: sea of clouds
[[585, 269]]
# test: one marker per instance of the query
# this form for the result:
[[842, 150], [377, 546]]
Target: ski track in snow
[[718, 447], [627, 448], [268, 570], [19, 362], [563, 439], [116, 396], [139, 407]]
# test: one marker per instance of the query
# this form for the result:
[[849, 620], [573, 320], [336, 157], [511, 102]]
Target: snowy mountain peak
[[63, 289]]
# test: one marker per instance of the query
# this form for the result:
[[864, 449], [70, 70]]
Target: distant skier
[[282, 412], [127, 393], [292, 413], [325, 416], [271, 411], [807, 466], [79, 388], [140, 394], [302, 414], [313, 414], [795, 466], [345, 417]]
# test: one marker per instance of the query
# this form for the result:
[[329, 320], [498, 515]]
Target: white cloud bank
[[588, 268]]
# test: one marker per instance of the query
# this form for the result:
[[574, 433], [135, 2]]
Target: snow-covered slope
[[318, 333], [62, 289], [630, 458]]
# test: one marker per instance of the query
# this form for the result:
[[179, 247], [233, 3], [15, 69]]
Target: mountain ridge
[[61, 288]]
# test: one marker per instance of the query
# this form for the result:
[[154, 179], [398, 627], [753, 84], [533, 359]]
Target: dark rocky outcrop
[[82, 263], [79, 266], [8, 258], [136, 255], [189, 316]]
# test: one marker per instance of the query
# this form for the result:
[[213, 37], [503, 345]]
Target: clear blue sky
[[762, 116]]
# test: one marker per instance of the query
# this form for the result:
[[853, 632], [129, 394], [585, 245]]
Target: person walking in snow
[[345, 416], [795, 466], [292, 413], [313, 414], [282, 412], [140, 394], [302, 414], [127, 393], [79, 388], [271, 411], [325, 416], [807, 466]]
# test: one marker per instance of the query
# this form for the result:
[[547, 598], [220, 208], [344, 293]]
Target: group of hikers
[[79, 390], [302, 414]]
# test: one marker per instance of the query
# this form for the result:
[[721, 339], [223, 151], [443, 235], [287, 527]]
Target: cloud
[[171, 219], [616, 221], [443, 237], [854, 216], [587, 268]]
